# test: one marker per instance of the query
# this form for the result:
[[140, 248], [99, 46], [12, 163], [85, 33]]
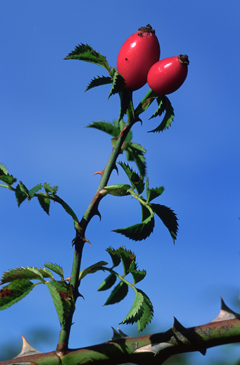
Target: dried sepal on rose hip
[[167, 75], [136, 56]]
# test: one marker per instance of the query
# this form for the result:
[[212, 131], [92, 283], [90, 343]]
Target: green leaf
[[3, 169], [168, 218], [106, 127], [125, 103], [92, 269], [14, 292], [62, 298], [44, 201], [146, 312], [118, 83], [24, 273], [160, 108], [138, 275], [135, 179], [128, 258], [5, 177], [55, 268], [20, 195], [118, 189], [135, 311], [119, 293], [168, 117], [52, 190], [67, 208], [108, 282], [146, 102], [138, 232], [134, 154], [34, 190], [99, 81], [84, 52], [115, 255], [153, 193]]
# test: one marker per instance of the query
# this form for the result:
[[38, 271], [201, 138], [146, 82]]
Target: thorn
[[122, 334], [99, 172], [225, 313], [86, 240], [115, 168], [116, 335], [27, 349], [68, 279]]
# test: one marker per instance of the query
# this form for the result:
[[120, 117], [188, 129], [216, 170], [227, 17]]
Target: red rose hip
[[167, 75], [136, 56]]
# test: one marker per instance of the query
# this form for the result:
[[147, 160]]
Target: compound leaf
[[115, 255]]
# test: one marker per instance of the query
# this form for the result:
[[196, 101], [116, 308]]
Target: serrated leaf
[[99, 81], [34, 190], [92, 269], [49, 189], [3, 169], [44, 201], [139, 159], [84, 52], [138, 232], [138, 275], [108, 282], [135, 311], [135, 179], [118, 83], [153, 193], [14, 292], [146, 312], [128, 258], [106, 127], [118, 189], [119, 293], [115, 256], [160, 108], [168, 117], [20, 195], [22, 273], [8, 179], [55, 268], [125, 103], [62, 298], [146, 102], [67, 208], [168, 218]]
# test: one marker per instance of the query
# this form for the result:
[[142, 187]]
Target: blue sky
[[44, 112]]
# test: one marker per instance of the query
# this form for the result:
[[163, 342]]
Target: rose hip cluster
[[138, 62]]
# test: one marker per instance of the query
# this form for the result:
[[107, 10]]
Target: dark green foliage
[[84, 52], [118, 83], [119, 293], [138, 232], [108, 282], [135, 179], [55, 268], [163, 105], [168, 217], [98, 81]]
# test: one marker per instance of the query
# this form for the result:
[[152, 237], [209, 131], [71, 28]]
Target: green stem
[[92, 210]]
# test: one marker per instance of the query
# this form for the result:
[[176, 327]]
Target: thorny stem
[[92, 210]]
